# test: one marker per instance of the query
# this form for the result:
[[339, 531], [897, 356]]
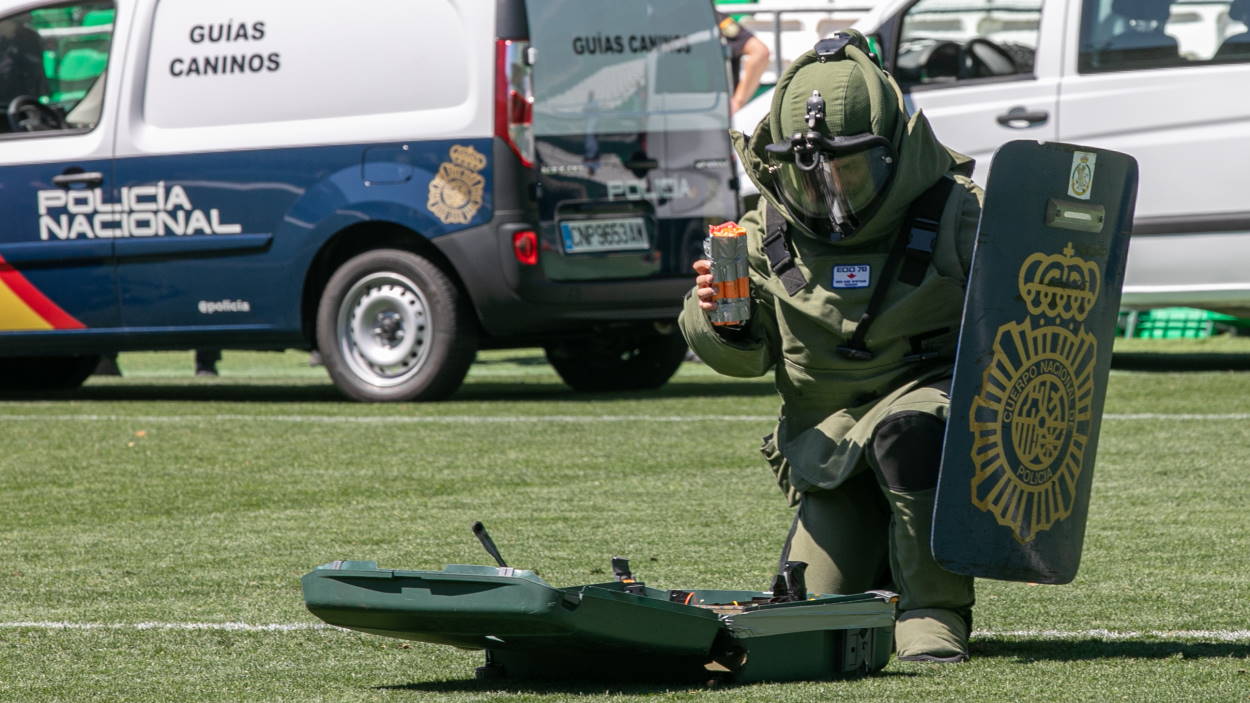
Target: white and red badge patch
[[852, 276]]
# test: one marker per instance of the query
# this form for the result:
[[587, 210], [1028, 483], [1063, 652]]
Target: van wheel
[[391, 326], [618, 363], [28, 373]]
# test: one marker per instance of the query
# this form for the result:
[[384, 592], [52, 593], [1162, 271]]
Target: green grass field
[[155, 527]]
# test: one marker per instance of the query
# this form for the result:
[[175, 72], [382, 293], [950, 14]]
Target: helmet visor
[[836, 185]]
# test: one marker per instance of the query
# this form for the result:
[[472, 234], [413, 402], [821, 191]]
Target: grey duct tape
[[729, 264]]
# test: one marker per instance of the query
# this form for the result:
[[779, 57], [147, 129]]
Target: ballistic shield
[[1031, 368]]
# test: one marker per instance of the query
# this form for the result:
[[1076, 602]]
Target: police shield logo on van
[[456, 192]]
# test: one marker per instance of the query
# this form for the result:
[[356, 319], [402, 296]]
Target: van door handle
[[642, 164], [1020, 114], [87, 178]]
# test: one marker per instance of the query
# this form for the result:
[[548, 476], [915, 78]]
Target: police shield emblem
[[456, 193], [1034, 355]]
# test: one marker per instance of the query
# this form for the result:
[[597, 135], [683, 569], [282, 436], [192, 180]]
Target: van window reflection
[[52, 66], [21, 61]]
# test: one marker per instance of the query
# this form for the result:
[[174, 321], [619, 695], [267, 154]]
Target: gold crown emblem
[[1060, 286], [468, 157]]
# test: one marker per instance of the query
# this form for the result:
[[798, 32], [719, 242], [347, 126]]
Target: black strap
[[855, 349], [913, 249], [923, 220], [917, 342], [777, 249]]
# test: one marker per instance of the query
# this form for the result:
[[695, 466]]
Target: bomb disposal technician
[[859, 251]]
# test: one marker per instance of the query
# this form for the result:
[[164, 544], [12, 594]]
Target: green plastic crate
[[616, 630], [1175, 323]]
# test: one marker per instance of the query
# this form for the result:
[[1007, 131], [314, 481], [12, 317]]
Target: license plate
[[584, 236]]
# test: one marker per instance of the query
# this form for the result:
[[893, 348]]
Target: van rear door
[[630, 119]]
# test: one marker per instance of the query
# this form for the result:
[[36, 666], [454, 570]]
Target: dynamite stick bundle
[[726, 248]]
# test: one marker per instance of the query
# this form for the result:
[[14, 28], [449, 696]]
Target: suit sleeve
[[953, 258], [745, 352], [969, 220]]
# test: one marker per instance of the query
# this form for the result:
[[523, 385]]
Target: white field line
[[1218, 635], [506, 419], [391, 420], [1176, 416], [229, 626]]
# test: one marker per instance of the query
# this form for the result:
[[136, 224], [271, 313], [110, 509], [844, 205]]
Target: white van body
[[396, 183], [1180, 109]]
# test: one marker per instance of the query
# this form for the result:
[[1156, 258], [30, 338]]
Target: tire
[[30, 373], [391, 326], [618, 363]]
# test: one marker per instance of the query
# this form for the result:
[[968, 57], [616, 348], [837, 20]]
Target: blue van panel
[[269, 212], [189, 245], [49, 283]]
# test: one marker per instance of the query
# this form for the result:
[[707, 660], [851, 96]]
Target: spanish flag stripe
[[34, 300]]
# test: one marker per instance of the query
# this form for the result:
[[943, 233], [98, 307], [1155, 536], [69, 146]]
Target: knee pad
[[907, 448]]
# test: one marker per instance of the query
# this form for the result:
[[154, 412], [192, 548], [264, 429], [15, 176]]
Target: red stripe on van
[[37, 301]]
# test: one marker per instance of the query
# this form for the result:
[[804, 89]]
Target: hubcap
[[385, 329]]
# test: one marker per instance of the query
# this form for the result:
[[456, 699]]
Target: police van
[[395, 183]]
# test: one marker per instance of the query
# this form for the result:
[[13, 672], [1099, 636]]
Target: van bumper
[[514, 300]]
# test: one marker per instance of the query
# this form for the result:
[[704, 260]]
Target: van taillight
[[525, 246], [514, 98]]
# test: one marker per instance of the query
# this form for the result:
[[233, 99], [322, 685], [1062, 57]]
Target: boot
[[931, 635], [935, 605]]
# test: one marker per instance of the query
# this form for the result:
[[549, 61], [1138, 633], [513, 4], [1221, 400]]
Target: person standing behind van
[[206, 361], [21, 62], [748, 56]]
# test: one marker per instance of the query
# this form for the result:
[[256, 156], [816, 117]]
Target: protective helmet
[[836, 124]]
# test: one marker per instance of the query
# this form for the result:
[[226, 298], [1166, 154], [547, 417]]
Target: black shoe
[[107, 366]]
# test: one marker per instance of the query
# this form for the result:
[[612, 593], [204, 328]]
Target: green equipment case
[[617, 630]]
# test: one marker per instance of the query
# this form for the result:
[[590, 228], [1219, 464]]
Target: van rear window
[[249, 61], [621, 67]]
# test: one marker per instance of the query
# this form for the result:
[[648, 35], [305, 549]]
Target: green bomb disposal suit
[[858, 443]]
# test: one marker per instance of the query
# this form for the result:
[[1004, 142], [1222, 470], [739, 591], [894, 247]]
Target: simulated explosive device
[[622, 629], [726, 248]]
